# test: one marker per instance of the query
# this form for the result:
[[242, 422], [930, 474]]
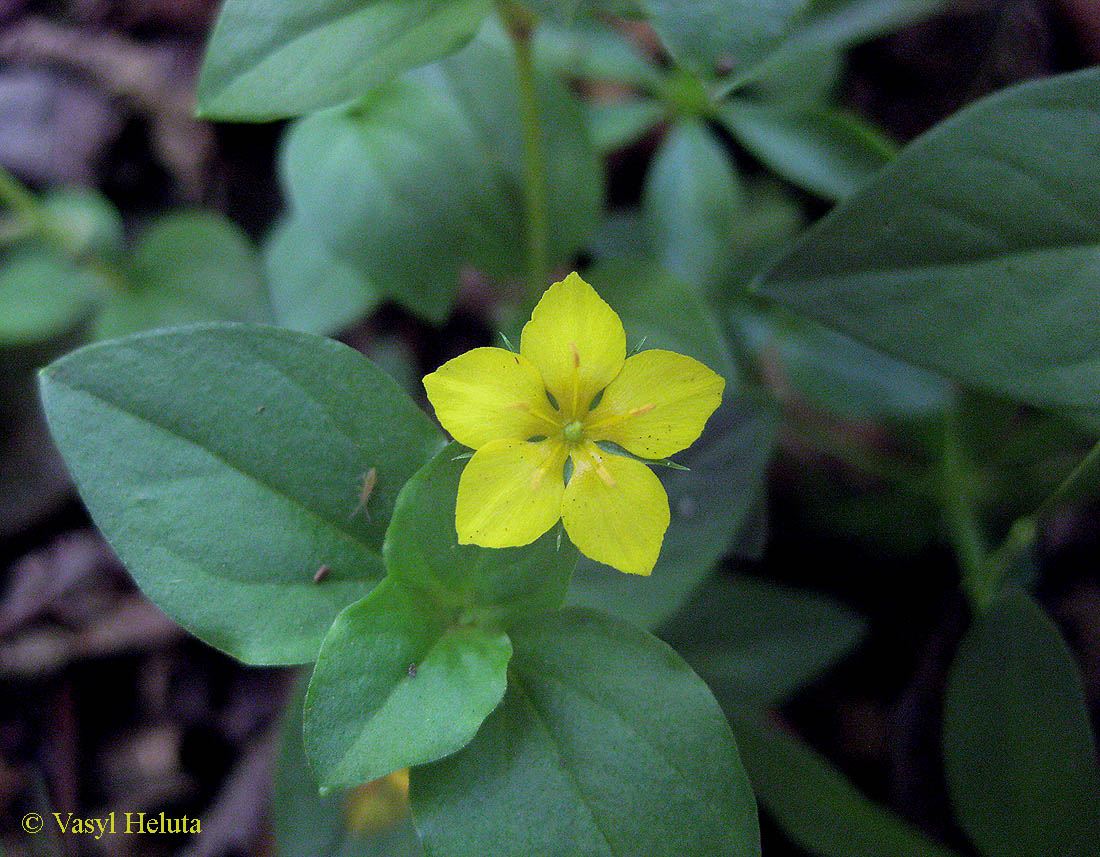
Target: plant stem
[[1025, 529], [520, 27], [962, 522]]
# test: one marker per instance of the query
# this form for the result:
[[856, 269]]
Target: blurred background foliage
[[809, 575]]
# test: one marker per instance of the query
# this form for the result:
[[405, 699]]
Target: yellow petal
[[657, 405], [577, 342], [510, 493], [615, 510], [490, 393]]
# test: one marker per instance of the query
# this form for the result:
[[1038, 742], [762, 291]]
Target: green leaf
[[819, 149], [506, 584], [188, 267], [42, 295], [816, 806], [399, 682], [313, 290], [621, 123], [1019, 754], [691, 200], [595, 52], [307, 824], [711, 501], [224, 464], [606, 732], [757, 642], [287, 57], [704, 35], [83, 222], [978, 235], [425, 177]]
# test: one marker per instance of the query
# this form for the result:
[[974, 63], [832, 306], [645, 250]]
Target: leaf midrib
[[337, 525]]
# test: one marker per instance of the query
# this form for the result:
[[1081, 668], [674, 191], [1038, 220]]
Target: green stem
[[520, 27], [1025, 529], [962, 522]]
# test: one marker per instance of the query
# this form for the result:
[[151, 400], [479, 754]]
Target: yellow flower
[[525, 414]]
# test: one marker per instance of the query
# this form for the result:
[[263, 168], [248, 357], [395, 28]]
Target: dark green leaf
[[756, 642], [608, 735], [399, 682], [821, 150], [312, 290], [816, 806], [691, 200], [504, 584], [188, 267], [288, 57], [978, 235], [224, 464], [1019, 754]]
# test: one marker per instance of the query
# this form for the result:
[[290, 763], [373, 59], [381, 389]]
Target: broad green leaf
[[705, 35], [285, 57], [313, 290], [974, 252], [710, 502], [821, 150], [1019, 754], [691, 200], [425, 177], [307, 824], [617, 744], [187, 267], [224, 464], [844, 376], [399, 681], [757, 642], [42, 296], [620, 123], [506, 584], [816, 806]]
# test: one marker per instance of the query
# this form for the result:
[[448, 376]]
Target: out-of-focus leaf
[[42, 295], [756, 642], [312, 289], [819, 149], [187, 267], [815, 805], [691, 200], [1019, 753]]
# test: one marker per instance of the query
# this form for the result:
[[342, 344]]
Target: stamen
[[614, 419]]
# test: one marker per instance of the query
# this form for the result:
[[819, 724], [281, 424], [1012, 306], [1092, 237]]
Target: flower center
[[574, 431]]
